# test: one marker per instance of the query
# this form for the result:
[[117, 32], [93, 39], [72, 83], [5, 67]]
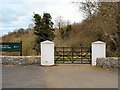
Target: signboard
[[11, 47]]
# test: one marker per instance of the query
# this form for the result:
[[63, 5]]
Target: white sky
[[16, 14]]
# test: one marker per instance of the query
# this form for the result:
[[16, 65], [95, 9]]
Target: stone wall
[[20, 60], [110, 62]]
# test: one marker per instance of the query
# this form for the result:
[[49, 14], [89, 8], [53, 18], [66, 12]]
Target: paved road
[[23, 77], [60, 76]]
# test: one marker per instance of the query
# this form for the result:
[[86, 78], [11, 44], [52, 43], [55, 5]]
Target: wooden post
[[90, 56], [20, 48]]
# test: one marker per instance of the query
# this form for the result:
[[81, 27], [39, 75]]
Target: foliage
[[24, 35], [43, 29], [63, 26], [101, 23]]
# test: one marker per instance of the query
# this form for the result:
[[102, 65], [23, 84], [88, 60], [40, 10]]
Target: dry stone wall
[[20, 60], [110, 62]]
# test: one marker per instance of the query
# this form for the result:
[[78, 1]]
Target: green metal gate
[[76, 55]]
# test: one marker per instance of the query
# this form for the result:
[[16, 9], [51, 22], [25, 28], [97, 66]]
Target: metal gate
[[76, 55]]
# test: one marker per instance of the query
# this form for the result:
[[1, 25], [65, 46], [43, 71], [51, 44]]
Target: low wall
[[20, 60], [110, 62]]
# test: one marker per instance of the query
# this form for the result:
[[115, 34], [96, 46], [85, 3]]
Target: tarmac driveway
[[23, 77], [59, 76]]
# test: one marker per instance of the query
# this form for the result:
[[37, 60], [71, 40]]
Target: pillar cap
[[47, 42], [98, 42]]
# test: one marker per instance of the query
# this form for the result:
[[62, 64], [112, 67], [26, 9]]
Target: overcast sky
[[15, 14]]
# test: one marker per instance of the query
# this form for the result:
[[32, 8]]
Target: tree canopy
[[43, 29]]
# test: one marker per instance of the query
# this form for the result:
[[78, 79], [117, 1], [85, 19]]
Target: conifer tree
[[43, 29]]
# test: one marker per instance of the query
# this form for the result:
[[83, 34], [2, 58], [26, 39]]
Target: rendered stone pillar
[[47, 53], [98, 51]]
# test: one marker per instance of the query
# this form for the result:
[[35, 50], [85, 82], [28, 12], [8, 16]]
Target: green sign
[[10, 46]]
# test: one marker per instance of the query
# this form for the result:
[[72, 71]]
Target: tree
[[104, 21], [63, 26], [43, 29], [118, 29], [89, 8]]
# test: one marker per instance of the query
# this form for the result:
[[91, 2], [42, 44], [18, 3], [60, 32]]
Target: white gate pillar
[[47, 53], [98, 51]]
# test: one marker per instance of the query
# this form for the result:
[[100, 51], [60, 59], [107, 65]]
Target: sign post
[[11, 46]]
